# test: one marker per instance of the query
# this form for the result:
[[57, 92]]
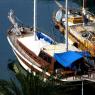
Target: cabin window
[[45, 57]]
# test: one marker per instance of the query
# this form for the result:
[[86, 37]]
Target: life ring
[[93, 39]]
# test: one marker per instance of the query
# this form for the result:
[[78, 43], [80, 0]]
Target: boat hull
[[26, 64]]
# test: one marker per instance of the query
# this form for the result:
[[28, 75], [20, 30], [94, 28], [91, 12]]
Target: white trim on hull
[[22, 63], [30, 63]]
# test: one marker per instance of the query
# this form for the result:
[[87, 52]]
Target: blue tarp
[[85, 53], [67, 58], [43, 36]]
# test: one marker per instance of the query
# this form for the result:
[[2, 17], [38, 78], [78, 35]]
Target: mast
[[34, 28], [83, 11], [83, 4], [66, 25], [82, 88]]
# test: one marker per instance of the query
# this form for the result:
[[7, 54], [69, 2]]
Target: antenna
[[34, 28], [66, 25], [83, 4]]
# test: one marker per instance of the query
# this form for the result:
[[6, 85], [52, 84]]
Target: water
[[24, 11]]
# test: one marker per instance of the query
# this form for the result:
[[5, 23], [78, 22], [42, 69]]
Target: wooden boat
[[84, 35], [80, 26], [38, 52]]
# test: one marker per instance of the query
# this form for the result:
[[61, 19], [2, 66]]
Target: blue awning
[[40, 35], [67, 58]]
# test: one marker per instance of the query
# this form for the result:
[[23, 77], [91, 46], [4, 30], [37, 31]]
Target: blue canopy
[[67, 58], [40, 35]]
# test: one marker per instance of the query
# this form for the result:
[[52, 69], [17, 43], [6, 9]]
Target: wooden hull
[[59, 25], [26, 64]]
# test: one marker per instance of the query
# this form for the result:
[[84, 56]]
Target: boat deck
[[84, 35], [14, 39]]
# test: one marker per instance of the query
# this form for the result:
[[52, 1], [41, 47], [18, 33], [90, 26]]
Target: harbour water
[[24, 11]]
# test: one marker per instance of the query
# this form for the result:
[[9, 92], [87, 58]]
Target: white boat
[[38, 52]]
